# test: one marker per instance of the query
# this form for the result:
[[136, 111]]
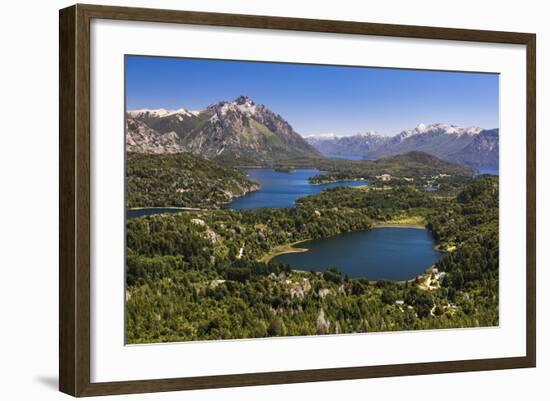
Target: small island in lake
[[238, 226]]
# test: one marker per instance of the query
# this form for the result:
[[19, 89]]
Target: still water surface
[[277, 189], [281, 189], [384, 253]]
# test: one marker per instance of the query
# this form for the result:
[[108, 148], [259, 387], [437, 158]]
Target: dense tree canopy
[[182, 180], [205, 275]]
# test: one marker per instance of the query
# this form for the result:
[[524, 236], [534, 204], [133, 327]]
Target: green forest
[[204, 275], [181, 180]]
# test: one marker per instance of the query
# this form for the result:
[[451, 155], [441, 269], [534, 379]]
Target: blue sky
[[318, 99]]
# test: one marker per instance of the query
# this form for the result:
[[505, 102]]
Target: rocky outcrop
[[238, 131], [323, 324]]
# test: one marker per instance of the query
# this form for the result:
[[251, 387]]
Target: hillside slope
[[472, 146], [237, 132], [183, 180]]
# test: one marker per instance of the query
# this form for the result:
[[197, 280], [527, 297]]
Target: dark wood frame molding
[[74, 199]]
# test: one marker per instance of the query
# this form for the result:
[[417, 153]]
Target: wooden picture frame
[[74, 203]]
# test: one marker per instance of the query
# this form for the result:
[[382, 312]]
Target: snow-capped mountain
[[157, 113], [354, 145], [438, 128], [472, 145], [242, 104], [239, 131], [482, 151], [321, 137]]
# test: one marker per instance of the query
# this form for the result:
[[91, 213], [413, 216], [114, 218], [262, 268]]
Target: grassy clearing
[[409, 221], [281, 250]]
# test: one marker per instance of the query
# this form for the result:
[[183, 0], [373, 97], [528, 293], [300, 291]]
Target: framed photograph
[[249, 200]]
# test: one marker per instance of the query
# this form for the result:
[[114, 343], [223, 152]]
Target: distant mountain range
[[238, 131], [472, 146], [243, 132]]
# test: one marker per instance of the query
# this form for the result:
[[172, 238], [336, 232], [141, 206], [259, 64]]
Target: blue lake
[[384, 253], [488, 170], [277, 189], [281, 189]]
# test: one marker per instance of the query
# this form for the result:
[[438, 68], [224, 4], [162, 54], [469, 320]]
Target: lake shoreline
[[191, 209], [399, 225], [291, 247], [281, 187], [283, 250], [297, 247], [222, 205]]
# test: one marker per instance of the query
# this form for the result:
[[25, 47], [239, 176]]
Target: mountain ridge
[[474, 146], [238, 131]]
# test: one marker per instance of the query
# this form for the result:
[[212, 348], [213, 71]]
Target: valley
[[243, 229]]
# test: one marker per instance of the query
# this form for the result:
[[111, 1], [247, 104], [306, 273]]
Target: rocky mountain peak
[[241, 105], [440, 128], [370, 133], [243, 100], [239, 131], [473, 146]]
